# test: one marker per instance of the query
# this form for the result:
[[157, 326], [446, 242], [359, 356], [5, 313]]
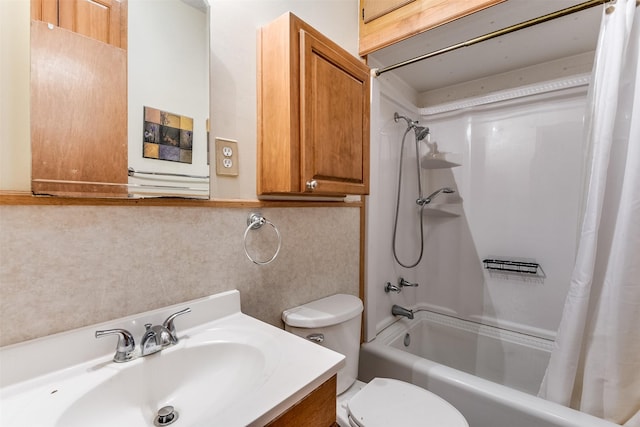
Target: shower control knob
[[312, 185]]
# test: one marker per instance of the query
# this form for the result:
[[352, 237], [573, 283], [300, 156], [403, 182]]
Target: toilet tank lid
[[326, 311]]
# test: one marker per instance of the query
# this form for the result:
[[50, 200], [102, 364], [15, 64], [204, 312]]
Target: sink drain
[[166, 415]]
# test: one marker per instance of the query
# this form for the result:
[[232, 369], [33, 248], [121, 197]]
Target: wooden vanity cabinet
[[384, 22], [317, 409], [313, 114]]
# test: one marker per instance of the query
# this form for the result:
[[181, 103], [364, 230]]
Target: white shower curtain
[[595, 366]]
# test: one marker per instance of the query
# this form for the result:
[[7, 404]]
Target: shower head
[[421, 131], [430, 197]]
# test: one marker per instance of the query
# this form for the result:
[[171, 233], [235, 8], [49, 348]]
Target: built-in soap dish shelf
[[443, 210], [441, 160]]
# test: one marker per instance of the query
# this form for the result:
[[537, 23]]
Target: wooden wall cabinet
[[313, 113], [396, 20]]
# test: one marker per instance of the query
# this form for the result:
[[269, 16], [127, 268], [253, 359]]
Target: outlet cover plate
[[226, 157]]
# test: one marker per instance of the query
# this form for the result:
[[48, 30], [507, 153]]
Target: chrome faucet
[[126, 344], [396, 310], [158, 337], [155, 338], [406, 284], [389, 287]]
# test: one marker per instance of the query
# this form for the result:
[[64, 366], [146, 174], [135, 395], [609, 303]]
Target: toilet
[[334, 322]]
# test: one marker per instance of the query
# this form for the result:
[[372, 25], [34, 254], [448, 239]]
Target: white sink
[[228, 370], [221, 371]]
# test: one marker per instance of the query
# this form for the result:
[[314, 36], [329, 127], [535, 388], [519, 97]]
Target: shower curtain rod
[[497, 33]]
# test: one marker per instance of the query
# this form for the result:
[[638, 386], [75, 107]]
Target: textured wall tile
[[64, 267]]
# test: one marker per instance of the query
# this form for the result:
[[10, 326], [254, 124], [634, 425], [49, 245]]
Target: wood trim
[[25, 198], [374, 9], [414, 18], [124, 24], [363, 247]]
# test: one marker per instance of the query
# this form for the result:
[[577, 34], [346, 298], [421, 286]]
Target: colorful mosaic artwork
[[167, 136]]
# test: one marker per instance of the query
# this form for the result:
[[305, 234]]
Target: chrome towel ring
[[254, 222]]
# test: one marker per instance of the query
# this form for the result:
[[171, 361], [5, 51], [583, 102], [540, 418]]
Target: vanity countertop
[[227, 369]]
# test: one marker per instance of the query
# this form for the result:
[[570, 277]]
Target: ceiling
[[570, 35]]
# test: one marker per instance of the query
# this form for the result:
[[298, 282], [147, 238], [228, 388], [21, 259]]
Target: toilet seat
[[385, 402]]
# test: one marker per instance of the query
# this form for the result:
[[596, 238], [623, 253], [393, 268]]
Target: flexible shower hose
[[395, 223]]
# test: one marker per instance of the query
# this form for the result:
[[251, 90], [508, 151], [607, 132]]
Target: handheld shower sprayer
[[426, 200], [421, 132]]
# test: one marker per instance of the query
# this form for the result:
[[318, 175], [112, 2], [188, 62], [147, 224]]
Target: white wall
[[15, 157], [518, 190]]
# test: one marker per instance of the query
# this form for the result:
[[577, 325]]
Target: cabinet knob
[[312, 185]]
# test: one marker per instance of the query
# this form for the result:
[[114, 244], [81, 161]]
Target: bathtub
[[489, 374]]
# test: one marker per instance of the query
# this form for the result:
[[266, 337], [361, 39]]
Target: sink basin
[[177, 377], [227, 369]]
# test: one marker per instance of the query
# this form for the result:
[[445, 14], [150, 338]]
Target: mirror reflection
[[168, 97], [120, 122]]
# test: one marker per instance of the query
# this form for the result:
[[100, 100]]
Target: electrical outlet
[[226, 157]]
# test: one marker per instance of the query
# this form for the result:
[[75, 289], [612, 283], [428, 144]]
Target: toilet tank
[[337, 318]]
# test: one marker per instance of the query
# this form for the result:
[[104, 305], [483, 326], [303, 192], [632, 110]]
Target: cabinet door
[[98, 19], [334, 101], [78, 114], [104, 20]]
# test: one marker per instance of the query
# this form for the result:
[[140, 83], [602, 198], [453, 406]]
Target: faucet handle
[[388, 287], [126, 343], [168, 323], [403, 283]]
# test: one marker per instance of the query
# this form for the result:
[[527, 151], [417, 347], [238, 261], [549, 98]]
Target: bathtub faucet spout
[[396, 310]]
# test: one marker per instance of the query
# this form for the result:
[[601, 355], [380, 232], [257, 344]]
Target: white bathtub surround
[[596, 366], [227, 369], [505, 358], [532, 136]]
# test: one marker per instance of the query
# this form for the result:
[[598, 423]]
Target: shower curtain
[[595, 366]]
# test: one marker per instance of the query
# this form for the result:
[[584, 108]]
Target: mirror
[[168, 77], [78, 143]]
